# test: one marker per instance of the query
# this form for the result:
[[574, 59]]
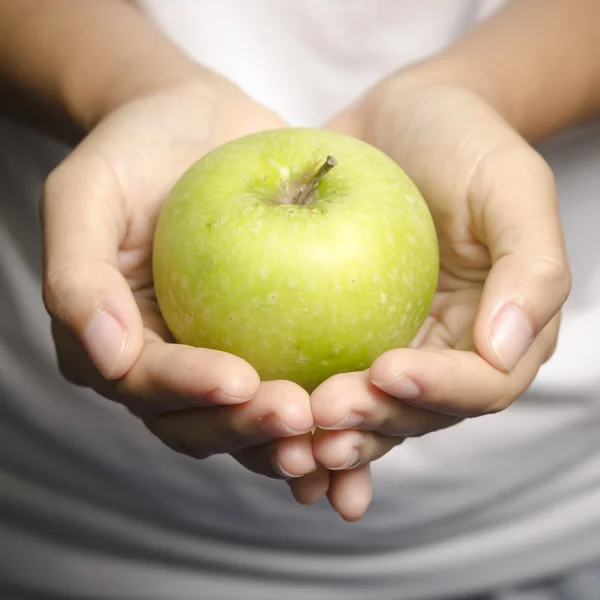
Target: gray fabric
[[92, 507], [583, 584]]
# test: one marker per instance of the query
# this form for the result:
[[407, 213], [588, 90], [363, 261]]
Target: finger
[[350, 492], [351, 400], [457, 383], [169, 377], [286, 458], [83, 225], [165, 378], [280, 409], [517, 218], [312, 487], [73, 362], [343, 450]]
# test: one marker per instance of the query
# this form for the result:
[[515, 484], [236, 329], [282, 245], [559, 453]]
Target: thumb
[[529, 281], [83, 224]]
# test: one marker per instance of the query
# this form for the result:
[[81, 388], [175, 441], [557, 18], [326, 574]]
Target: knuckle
[[532, 164], [549, 336], [554, 275], [566, 283], [553, 271], [543, 169], [61, 287], [57, 286]]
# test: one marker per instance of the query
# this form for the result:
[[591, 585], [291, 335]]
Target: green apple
[[306, 252]]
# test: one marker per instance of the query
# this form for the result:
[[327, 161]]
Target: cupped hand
[[503, 279], [99, 210]]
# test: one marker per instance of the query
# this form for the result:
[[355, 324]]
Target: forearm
[[75, 60], [537, 62]]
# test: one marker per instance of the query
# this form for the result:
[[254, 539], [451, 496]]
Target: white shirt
[[92, 504]]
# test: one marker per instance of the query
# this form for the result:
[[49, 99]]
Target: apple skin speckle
[[313, 290]]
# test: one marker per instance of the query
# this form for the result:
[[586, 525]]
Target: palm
[[450, 321], [198, 401], [145, 147], [446, 156], [471, 168]]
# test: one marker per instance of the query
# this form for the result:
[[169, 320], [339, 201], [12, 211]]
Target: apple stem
[[306, 194]]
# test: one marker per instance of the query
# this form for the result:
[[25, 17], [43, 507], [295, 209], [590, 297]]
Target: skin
[[197, 401], [101, 74], [455, 367]]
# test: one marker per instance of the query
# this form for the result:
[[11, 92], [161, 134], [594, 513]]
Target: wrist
[[79, 61], [95, 81], [534, 62], [87, 105], [444, 70]]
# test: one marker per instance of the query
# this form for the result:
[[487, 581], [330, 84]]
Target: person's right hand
[[99, 210]]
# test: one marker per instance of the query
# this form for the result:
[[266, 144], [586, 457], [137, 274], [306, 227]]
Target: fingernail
[[105, 341], [291, 431], [511, 335], [351, 462], [401, 386], [234, 399], [273, 426], [281, 471], [350, 421]]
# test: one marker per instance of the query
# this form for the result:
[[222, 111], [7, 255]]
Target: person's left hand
[[503, 279]]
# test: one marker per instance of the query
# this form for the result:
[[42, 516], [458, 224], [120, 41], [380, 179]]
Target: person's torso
[[84, 488]]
